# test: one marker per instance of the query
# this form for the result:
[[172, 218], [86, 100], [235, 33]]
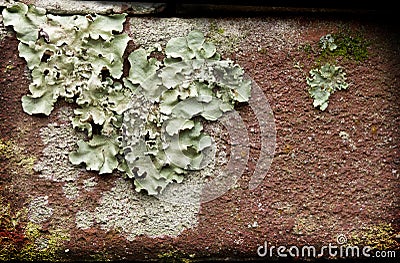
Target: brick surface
[[333, 173]]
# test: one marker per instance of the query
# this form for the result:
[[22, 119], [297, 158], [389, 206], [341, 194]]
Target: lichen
[[39, 210], [378, 237], [71, 190], [43, 246], [79, 58], [12, 153], [175, 256], [59, 139], [328, 78], [327, 42], [75, 58], [131, 214], [22, 240], [163, 141], [349, 46], [7, 150], [323, 82]]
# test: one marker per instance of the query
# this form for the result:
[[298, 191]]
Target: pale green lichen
[[190, 85], [323, 82], [67, 56], [328, 78], [327, 42], [157, 109], [75, 57]]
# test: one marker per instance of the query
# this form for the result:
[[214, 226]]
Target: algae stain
[[43, 245], [380, 237], [175, 256], [12, 153], [27, 241], [6, 150]]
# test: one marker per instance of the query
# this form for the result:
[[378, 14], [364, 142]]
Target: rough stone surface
[[334, 172]]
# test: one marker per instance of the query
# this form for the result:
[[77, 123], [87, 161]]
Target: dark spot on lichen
[[104, 73], [47, 55]]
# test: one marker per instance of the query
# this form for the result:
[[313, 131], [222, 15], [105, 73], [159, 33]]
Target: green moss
[[226, 40], [214, 28], [263, 51], [100, 256], [307, 48], [349, 46], [380, 237], [175, 256]]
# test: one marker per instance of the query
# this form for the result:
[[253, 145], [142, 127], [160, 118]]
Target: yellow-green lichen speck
[[379, 237]]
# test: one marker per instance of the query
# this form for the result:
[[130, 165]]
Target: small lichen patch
[[89, 184], [378, 237], [347, 140], [43, 246], [59, 139], [39, 210], [323, 82], [12, 153], [84, 219], [132, 214], [26, 241], [71, 190], [7, 150]]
